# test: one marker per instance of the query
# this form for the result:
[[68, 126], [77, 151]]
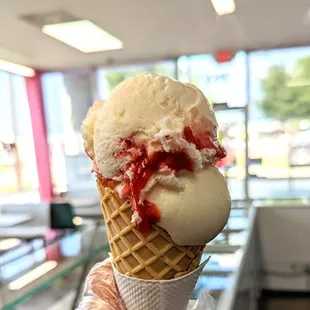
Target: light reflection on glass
[[70, 246]]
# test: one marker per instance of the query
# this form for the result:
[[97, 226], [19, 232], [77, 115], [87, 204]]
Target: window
[[279, 125], [67, 98], [57, 116], [17, 156], [224, 85], [108, 78]]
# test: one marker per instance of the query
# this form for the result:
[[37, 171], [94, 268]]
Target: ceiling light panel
[[83, 35]]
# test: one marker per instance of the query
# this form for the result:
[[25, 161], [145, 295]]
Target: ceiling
[[152, 29]]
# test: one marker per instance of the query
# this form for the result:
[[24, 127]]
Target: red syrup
[[142, 166]]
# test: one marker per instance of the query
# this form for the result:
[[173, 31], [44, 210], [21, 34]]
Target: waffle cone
[[151, 256]]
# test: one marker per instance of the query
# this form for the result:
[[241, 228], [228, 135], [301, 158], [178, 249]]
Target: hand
[[100, 292]]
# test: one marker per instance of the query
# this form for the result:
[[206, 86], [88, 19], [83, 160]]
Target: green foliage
[[287, 95], [114, 78], [161, 70]]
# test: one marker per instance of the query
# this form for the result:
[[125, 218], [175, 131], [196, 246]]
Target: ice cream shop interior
[[155, 155]]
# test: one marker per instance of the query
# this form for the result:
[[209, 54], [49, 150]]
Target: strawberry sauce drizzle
[[204, 141], [142, 166]]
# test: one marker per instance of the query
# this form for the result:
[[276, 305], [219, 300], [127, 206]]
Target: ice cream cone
[[151, 256]]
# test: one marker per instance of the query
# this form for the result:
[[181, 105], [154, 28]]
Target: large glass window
[[108, 78], [17, 156], [8, 175], [224, 85], [279, 125], [58, 122], [278, 128], [67, 98]]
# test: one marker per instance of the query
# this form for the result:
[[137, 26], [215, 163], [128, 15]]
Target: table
[[37, 225], [82, 202], [92, 212], [9, 220]]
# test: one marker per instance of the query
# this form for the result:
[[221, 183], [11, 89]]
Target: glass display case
[[226, 252], [36, 274]]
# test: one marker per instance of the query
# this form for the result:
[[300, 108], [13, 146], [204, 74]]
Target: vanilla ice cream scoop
[[154, 136], [196, 213]]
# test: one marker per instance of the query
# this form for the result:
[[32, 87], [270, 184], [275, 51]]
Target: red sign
[[224, 56]]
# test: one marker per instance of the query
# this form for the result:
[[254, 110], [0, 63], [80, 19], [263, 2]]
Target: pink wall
[[35, 99]]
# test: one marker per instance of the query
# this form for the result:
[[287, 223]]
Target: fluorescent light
[[7, 244], [84, 36], [32, 275], [224, 7], [17, 69]]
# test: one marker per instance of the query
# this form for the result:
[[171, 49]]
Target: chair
[[61, 215]]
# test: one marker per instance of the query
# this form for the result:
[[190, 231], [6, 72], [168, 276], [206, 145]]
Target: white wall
[[284, 234]]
